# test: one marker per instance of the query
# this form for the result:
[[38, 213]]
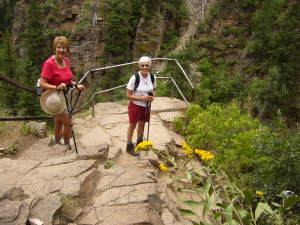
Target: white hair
[[145, 59]]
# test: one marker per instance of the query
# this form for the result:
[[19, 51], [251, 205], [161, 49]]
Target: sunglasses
[[144, 65]]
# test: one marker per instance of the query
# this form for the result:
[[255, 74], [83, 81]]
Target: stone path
[[108, 186]]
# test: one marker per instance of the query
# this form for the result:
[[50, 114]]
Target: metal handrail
[[126, 64], [92, 71], [124, 85]]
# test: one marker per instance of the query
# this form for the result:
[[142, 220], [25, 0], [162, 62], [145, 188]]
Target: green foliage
[[7, 15], [51, 19], [250, 4], [202, 96], [277, 162], [29, 102], [8, 68], [171, 40], [262, 21], [267, 92], [85, 17], [69, 203], [118, 39], [209, 42], [35, 39], [256, 157], [205, 66], [223, 88], [25, 130], [11, 149], [222, 130]]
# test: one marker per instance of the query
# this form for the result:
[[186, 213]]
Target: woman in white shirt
[[139, 106]]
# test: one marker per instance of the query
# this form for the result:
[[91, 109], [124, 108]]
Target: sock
[[57, 140], [139, 139], [67, 142], [129, 142]]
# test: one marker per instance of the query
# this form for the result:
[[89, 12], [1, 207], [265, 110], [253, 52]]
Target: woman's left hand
[[80, 87]]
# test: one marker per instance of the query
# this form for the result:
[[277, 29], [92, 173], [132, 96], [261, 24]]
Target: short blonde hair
[[144, 59], [61, 40]]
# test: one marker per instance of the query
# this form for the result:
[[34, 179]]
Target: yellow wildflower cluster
[[187, 150], [145, 145], [205, 155], [163, 168], [259, 192]]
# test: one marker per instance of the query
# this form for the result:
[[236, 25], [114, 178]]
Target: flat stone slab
[[164, 104], [42, 179], [11, 171]]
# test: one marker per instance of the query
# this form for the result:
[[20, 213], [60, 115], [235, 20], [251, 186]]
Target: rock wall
[[87, 41]]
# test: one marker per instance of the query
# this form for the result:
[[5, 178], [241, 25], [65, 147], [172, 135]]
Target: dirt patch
[[22, 144]]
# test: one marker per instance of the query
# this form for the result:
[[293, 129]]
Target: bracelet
[[56, 87]]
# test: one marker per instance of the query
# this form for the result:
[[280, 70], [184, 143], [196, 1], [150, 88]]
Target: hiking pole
[[144, 120], [70, 118], [148, 108], [148, 123]]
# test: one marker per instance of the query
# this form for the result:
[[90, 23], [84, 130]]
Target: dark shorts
[[137, 113]]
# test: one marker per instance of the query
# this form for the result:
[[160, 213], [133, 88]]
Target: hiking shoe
[[130, 150], [68, 147]]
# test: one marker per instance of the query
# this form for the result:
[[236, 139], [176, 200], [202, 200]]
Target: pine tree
[[28, 101], [7, 15], [34, 35], [8, 68]]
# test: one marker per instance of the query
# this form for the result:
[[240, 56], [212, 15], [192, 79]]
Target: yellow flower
[[187, 150], [205, 155], [163, 168], [145, 145], [259, 193]]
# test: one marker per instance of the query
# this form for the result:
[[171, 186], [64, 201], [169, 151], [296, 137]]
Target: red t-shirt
[[56, 75]]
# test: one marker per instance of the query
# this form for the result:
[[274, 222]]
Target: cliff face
[[87, 29], [64, 15]]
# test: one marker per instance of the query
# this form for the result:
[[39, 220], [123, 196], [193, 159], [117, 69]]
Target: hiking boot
[[68, 147], [130, 150]]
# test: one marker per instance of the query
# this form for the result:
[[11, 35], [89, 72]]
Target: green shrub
[[224, 131]]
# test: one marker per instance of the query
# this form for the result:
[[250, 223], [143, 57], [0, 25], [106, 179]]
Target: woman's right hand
[[62, 86], [148, 98]]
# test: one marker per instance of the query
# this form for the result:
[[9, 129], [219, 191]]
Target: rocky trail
[[102, 184]]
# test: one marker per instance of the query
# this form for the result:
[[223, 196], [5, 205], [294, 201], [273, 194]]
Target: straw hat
[[53, 102]]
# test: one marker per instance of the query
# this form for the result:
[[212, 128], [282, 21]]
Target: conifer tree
[[29, 102], [8, 68], [34, 35]]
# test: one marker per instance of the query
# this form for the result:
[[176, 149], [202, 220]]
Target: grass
[[11, 132], [83, 114], [69, 203]]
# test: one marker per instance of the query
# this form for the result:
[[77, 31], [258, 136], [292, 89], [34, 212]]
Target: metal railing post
[[93, 91], [173, 86]]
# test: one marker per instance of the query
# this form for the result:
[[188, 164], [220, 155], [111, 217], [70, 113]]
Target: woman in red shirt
[[57, 75]]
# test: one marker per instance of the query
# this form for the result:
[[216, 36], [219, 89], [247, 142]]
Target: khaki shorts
[[62, 113]]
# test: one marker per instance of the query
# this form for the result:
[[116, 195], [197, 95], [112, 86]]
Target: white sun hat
[[53, 102]]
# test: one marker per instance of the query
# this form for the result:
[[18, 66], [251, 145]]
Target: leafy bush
[[258, 157], [224, 131]]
